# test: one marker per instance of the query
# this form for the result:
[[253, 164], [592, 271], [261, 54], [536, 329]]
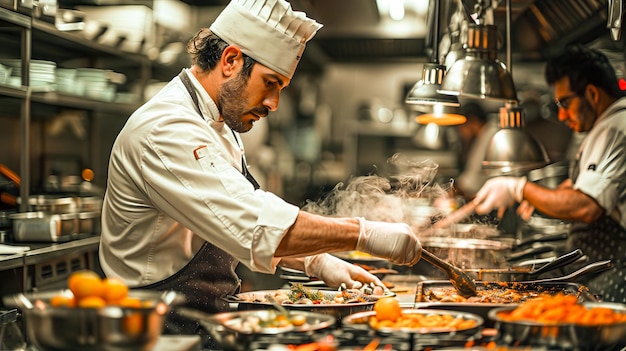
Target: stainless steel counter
[[47, 265], [43, 252]]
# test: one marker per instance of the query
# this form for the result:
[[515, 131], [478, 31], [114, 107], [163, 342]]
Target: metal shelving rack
[[41, 39]]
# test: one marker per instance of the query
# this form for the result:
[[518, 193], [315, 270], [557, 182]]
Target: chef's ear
[[591, 92], [231, 60]]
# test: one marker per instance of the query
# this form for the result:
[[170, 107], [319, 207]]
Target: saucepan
[[108, 328]]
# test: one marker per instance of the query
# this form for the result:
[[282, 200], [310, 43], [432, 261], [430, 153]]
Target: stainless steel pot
[[93, 329], [51, 204], [43, 227], [469, 253], [551, 175]]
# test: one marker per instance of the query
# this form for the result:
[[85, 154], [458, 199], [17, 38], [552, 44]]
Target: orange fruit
[[91, 302], [133, 323], [86, 283], [114, 290], [130, 302], [62, 301], [387, 308]]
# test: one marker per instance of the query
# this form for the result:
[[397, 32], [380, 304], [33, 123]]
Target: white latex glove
[[334, 271], [393, 241], [499, 193]]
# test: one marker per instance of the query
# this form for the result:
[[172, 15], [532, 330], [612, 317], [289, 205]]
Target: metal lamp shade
[[512, 149], [437, 108], [474, 77], [480, 74], [424, 93]]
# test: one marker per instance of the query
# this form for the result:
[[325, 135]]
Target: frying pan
[[254, 300], [527, 289]]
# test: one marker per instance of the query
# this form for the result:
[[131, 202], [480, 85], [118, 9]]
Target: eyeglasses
[[564, 101]]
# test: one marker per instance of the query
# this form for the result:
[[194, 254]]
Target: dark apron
[[604, 239], [206, 279]]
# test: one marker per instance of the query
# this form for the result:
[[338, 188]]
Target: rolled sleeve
[[275, 219]]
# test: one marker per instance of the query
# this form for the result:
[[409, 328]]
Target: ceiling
[[355, 31]]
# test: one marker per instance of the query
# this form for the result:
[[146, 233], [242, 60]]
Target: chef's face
[[575, 110], [244, 100]]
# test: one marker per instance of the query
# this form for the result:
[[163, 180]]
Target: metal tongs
[[463, 284]]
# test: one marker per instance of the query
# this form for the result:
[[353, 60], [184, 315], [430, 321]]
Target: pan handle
[[541, 238], [590, 268], [558, 262], [531, 251]]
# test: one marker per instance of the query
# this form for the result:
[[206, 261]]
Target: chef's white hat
[[268, 31]]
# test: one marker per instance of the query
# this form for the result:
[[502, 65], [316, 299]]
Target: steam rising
[[409, 196]]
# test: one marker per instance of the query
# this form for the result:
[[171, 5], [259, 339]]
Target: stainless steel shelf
[[50, 39], [15, 18], [80, 102]]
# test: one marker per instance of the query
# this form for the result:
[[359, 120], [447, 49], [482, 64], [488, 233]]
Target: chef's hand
[[499, 193], [525, 210], [393, 241], [334, 272]]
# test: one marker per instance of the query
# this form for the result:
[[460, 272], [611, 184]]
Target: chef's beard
[[586, 116], [232, 100]]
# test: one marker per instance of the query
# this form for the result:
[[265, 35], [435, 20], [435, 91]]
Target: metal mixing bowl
[[565, 336], [111, 328], [228, 331]]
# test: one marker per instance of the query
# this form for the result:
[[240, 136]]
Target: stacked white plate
[[95, 83], [66, 81], [5, 73], [42, 74]]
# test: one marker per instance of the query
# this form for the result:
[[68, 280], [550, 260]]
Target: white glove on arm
[[499, 193], [393, 241], [334, 271]]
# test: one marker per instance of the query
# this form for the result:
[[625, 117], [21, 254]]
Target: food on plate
[[561, 308], [389, 314], [491, 293], [254, 323], [299, 294]]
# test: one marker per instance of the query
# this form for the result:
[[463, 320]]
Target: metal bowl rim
[[347, 321], [221, 319]]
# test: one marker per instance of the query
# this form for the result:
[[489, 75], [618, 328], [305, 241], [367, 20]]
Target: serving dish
[[233, 331], [361, 320], [563, 335], [429, 288], [254, 300], [93, 329]]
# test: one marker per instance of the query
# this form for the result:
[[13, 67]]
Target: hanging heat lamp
[[512, 150], [480, 74], [434, 107]]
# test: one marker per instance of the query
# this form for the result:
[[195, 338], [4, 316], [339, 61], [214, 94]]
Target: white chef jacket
[[602, 162], [174, 182]]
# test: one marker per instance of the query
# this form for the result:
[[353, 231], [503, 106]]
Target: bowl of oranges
[[94, 314]]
